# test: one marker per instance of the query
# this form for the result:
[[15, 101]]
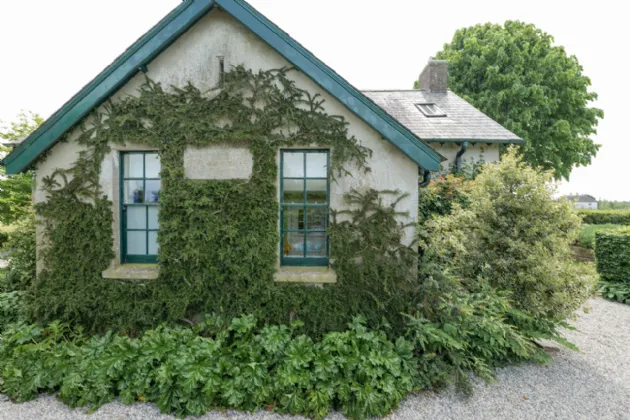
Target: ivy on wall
[[218, 238]]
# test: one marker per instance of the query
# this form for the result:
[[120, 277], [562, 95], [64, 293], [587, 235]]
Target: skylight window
[[431, 110]]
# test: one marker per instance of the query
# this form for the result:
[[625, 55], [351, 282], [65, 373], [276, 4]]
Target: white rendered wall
[[194, 58]]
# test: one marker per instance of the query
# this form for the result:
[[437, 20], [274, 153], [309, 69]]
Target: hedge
[[602, 217], [612, 250]]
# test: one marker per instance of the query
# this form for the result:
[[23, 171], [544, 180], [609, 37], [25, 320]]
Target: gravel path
[[593, 384]]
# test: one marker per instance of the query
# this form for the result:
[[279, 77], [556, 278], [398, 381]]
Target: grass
[[587, 236]]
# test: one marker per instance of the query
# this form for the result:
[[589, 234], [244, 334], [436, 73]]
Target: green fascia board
[[486, 141], [165, 33], [418, 151], [145, 49]]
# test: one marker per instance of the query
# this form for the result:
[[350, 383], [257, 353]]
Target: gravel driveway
[[593, 384]]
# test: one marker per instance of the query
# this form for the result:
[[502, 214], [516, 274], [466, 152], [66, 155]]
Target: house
[[453, 127], [159, 181], [583, 201]]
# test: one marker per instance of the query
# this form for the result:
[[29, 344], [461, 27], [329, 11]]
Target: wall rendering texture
[[194, 58]]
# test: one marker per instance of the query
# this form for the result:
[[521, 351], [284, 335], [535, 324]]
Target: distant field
[[587, 236]]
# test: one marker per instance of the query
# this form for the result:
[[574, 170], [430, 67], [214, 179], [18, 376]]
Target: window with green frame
[[304, 200], [139, 195]]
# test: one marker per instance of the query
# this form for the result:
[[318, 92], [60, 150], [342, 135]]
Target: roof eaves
[[475, 140], [165, 33], [418, 151], [122, 69]]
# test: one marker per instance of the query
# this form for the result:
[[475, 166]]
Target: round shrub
[[515, 236]]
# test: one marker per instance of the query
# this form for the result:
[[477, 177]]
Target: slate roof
[[584, 198], [462, 122]]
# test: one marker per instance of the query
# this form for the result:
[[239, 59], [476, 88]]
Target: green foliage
[[475, 332], [22, 261], [616, 291], [613, 205], [11, 308], [515, 75], [604, 217], [587, 235], [514, 236], [438, 198], [15, 190], [26, 122], [216, 364], [218, 239], [612, 250]]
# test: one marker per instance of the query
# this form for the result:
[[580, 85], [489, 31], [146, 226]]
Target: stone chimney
[[434, 77]]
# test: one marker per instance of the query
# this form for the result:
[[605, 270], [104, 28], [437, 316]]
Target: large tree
[[15, 190], [515, 74]]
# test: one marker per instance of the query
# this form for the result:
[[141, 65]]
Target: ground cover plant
[[616, 291], [237, 364], [216, 364]]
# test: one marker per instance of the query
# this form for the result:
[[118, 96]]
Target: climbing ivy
[[218, 238]]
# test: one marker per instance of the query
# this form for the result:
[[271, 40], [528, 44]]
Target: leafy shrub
[[603, 217], [437, 198], [587, 235], [22, 263], [612, 251], [4, 237], [12, 308], [617, 291], [473, 333], [515, 236], [216, 364]]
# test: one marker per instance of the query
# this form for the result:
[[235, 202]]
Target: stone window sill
[[306, 275], [132, 272]]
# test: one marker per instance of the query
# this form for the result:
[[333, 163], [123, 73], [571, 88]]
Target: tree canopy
[[515, 75], [15, 190]]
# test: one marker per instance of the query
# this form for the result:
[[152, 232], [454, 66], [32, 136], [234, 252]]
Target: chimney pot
[[434, 77]]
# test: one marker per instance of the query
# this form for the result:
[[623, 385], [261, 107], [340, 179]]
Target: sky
[[50, 49]]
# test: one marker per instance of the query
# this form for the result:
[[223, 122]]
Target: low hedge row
[[602, 217], [612, 250]]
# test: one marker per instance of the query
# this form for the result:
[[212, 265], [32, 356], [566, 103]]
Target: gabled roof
[[161, 36], [463, 122], [584, 198]]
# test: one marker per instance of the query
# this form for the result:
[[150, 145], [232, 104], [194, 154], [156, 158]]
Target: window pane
[[293, 165], [153, 191], [293, 218], [316, 191], [134, 192], [134, 165], [154, 223], [153, 245], [293, 191], [136, 217], [293, 244], [137, 243], [152, 160], [316, 244], [316, 218], [316, 164]]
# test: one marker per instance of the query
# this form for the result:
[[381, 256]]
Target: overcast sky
[[51, 49]]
